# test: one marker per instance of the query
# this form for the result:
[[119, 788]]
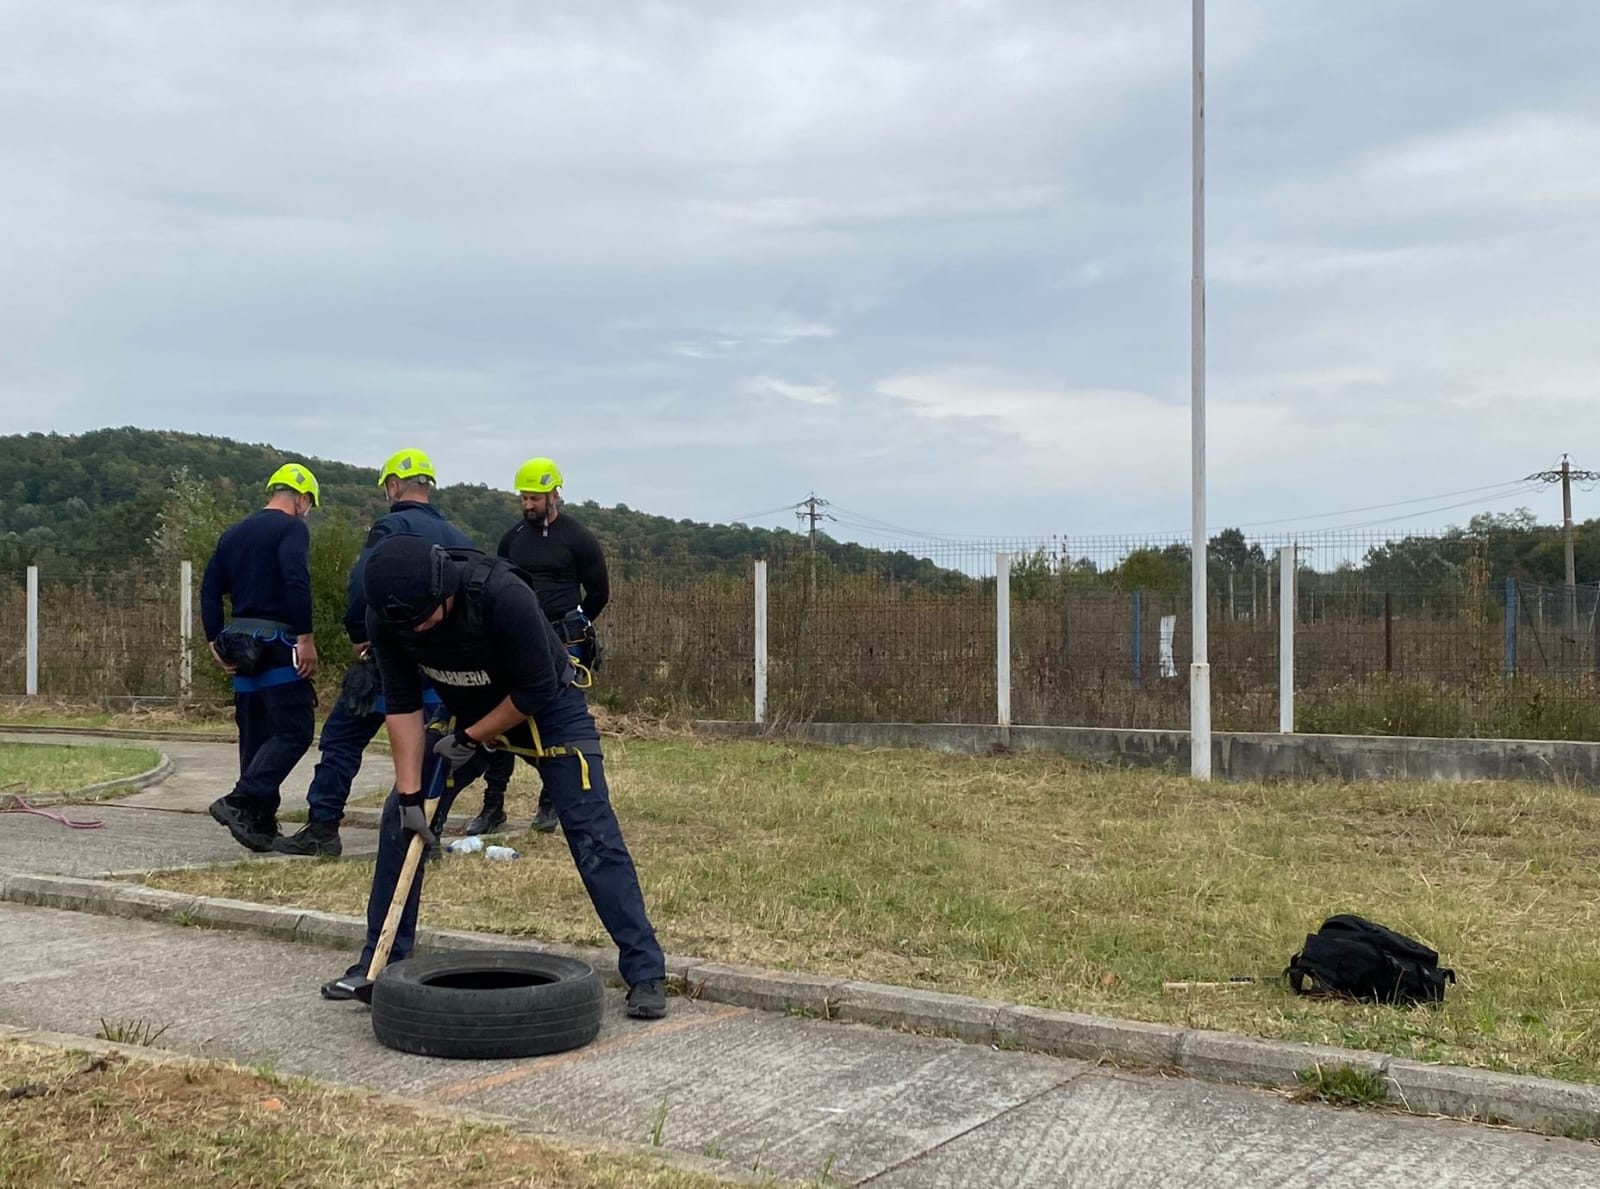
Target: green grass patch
[[1037, 879], [139, 1032], [51, 768], [1342, 1085], [69, 1119]]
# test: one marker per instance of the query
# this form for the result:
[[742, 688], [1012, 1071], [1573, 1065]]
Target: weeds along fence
[[1434, 643], [673, 643]]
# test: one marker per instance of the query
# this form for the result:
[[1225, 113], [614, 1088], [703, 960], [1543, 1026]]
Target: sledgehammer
[[402, 889]]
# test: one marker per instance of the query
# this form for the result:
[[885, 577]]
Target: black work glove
[[456, 749], [414, 820]]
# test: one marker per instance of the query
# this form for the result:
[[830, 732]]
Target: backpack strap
[[474, 583]]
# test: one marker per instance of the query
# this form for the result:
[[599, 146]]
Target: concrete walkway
[[202, 772], [185, 835], [790, 1096]]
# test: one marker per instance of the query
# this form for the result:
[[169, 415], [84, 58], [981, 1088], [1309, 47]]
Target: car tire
[[487, 1004]]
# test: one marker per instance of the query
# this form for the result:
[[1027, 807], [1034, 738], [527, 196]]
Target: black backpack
[[1353, 956]]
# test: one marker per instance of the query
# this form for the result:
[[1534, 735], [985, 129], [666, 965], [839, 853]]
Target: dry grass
[[73, 1119], [1034, 878], [50, 768]]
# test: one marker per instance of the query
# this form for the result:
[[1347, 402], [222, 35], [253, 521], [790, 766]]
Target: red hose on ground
[[20, 806]]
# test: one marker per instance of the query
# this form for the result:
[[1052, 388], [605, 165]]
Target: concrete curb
[[1539, 1104], [91, 792], [667, 1157], [143, 780]]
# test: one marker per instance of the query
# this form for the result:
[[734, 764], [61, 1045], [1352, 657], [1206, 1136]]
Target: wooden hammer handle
[[402, 889]]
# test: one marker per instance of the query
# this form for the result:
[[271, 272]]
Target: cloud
[[818, 247], [806, 394], [736, 340]]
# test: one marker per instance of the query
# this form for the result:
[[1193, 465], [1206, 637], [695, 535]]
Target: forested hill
[[97, 500]]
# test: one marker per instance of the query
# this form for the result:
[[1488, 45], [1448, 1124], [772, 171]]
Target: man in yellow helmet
[[568, 568], [409, 481], [263, 565]]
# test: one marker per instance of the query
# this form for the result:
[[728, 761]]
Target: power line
[[1409, 516], [809, 510], [895, 532], [884, 528], [1509, 485], [862, 520], [759, 515]]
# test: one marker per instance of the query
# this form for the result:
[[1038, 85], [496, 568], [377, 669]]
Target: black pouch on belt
[[245, 643], [361, 688]]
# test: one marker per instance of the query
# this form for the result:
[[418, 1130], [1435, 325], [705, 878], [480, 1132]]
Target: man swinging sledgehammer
[[472, 624]]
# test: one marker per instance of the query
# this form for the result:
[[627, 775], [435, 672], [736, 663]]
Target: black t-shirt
[[565, 561], [474, 666]]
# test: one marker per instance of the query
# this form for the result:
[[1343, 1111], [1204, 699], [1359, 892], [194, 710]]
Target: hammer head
[[351, 986]]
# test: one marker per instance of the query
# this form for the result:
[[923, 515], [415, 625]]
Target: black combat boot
[[252, 825], [493, 815], [546, 820], [314, 838]]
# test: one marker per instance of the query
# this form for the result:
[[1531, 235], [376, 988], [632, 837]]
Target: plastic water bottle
[[501, 852], [465, 846]]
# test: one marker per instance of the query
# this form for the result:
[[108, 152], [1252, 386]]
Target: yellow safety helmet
[[296, 477], [538, 475], [406, 464]]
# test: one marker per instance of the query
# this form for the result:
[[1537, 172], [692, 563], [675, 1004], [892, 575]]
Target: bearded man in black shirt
[[568, 569]]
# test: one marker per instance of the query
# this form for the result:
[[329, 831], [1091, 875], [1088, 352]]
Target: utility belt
[[252, 646], [582, 640]]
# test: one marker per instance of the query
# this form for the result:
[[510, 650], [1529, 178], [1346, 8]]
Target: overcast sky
[[928, 259]]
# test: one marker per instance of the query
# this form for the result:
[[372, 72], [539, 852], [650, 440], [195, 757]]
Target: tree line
[[102, 500], [112, 498]]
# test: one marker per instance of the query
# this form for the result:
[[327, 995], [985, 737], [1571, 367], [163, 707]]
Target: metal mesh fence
[[679, 644], [1402, 635], [877, 648], [102, 636]]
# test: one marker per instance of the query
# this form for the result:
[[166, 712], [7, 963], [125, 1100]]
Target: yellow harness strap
[[540, 752]]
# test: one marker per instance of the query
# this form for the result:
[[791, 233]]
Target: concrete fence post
[[185, 629], [761, 641], [1002, 641], [33, 632], [1286, 616]]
